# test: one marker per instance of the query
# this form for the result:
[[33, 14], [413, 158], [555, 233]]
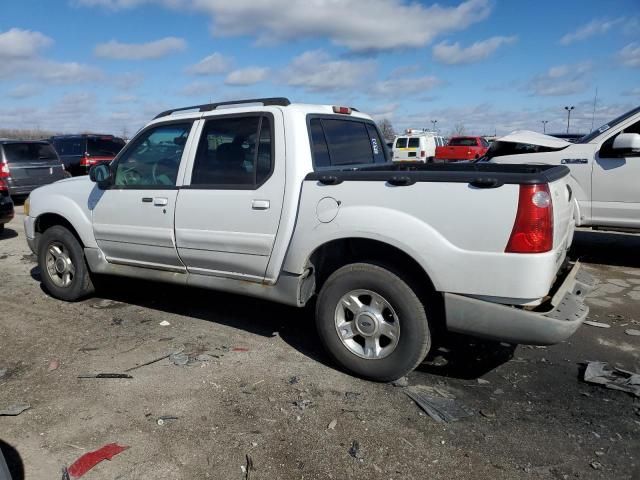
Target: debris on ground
[[239, 349], [482, 381], [332, 424], [164, 419], [596, 465], [13, 410], [248, 467], [303, 404], [401, 382], [633, 332], [612, 377], [105, 303], [179, 359], [293, 380], [354, 450], [3, 372], [440, 408], [89, 460], [116, 321], [596, 324], [105, 375], [487, 413], [53, 365], [164, 323]]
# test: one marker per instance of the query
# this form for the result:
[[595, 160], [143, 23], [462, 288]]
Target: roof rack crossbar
[[207, 107]]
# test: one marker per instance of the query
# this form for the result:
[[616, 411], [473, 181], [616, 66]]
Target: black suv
[[26, 165], [81, 152]]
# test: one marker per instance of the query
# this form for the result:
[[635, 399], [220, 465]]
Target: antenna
[[593, 116]]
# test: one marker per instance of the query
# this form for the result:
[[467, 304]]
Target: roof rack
[[207, 107]]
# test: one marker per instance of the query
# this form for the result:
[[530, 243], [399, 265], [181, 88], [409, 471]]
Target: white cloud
[[214, 64], [454, 54], [17, 43], [197, 89], [127, 80], [124, 98], [140, 51], [316, 71], [374, 26], [24, 90], [247, 76], [630, 55], [395, 87], [632, 92], [595, 27], [561, 80]]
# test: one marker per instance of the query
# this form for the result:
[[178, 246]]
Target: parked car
[[284, 202], [416, 146], [605, 168], [462, 148], [80, 152], [6, 205], [25, 165]]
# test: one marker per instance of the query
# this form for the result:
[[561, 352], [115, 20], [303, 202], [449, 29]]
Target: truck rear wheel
[[372, 322], [63, 269]]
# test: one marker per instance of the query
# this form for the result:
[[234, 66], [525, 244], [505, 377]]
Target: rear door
[[133, 220], [406, 149], [228, 211], [32, 164]]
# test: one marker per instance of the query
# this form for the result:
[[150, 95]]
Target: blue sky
[[490, 65]]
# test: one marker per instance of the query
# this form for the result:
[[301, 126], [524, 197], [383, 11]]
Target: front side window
[[234, 151], [154, 157]]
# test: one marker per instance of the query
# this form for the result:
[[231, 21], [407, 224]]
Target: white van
[[416, 146]]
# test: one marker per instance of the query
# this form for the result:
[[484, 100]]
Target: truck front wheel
[[63, 269], [372, 322]]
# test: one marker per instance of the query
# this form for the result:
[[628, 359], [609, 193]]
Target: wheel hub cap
[[367, 324], [59, 265]]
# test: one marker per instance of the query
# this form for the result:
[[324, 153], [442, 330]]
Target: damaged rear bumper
[[551, 323]]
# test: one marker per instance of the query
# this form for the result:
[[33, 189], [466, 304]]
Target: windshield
[[462, 142], [607, 126], [29, 152], [104, 146]]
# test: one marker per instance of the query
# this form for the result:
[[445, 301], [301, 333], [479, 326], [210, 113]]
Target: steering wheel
[[157, 176], [130, 176]]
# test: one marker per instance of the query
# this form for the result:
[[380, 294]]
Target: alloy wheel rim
[[60, 267]]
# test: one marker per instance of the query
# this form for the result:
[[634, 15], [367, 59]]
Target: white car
[[416, 146], [605, 168], [288, 201]]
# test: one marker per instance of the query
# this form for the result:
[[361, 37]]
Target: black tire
[[1, 228], [80, 284], [430, 160], [414, 340]]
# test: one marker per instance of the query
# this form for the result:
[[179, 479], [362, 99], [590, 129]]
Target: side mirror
[[627, 143], [101, 175]]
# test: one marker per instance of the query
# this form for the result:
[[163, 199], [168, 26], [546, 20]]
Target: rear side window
[[463, 142], [234, 151], [29, 152], [104, 146], [69, 146], [337, 142], [414, 142], [401, 142]]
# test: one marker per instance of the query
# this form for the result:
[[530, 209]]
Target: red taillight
[[533, 229], [4, 170], [3, 186], [343, 110], [423, 153], [87, 161]]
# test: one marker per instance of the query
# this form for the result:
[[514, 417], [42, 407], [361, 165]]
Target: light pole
[[568, 109], [544, 126], [433, 122]]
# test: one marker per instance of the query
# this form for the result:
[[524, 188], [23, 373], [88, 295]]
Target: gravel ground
[[264, 390]]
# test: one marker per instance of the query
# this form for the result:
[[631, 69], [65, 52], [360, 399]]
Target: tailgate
[[453, 153], [35, 173]]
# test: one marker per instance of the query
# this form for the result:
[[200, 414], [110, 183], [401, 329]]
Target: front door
[[228, 211], [616, 186], [133, 220]]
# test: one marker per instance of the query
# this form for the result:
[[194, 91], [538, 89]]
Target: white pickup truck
[[605, 169], [288, 201]]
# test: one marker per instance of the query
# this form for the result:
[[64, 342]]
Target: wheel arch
[[47, 220]]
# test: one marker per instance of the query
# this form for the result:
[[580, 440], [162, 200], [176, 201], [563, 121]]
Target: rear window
[[29, 152], [463, 142], [337, 142], [401, 142], [104, 146], [414, 142], [69, 146]]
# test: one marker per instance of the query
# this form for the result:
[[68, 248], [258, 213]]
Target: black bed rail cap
[[207, 107]]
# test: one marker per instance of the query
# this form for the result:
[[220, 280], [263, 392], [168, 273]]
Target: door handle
[[160, 201], [573, 161], [260, 204]]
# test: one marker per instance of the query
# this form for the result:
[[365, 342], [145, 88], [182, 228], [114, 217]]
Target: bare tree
[[387, 130], [458, 130]]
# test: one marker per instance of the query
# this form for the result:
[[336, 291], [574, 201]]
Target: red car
[[462, 148], [6, 206]]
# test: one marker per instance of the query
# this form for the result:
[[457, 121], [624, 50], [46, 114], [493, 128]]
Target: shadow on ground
[[8, 233], [607, 248]]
